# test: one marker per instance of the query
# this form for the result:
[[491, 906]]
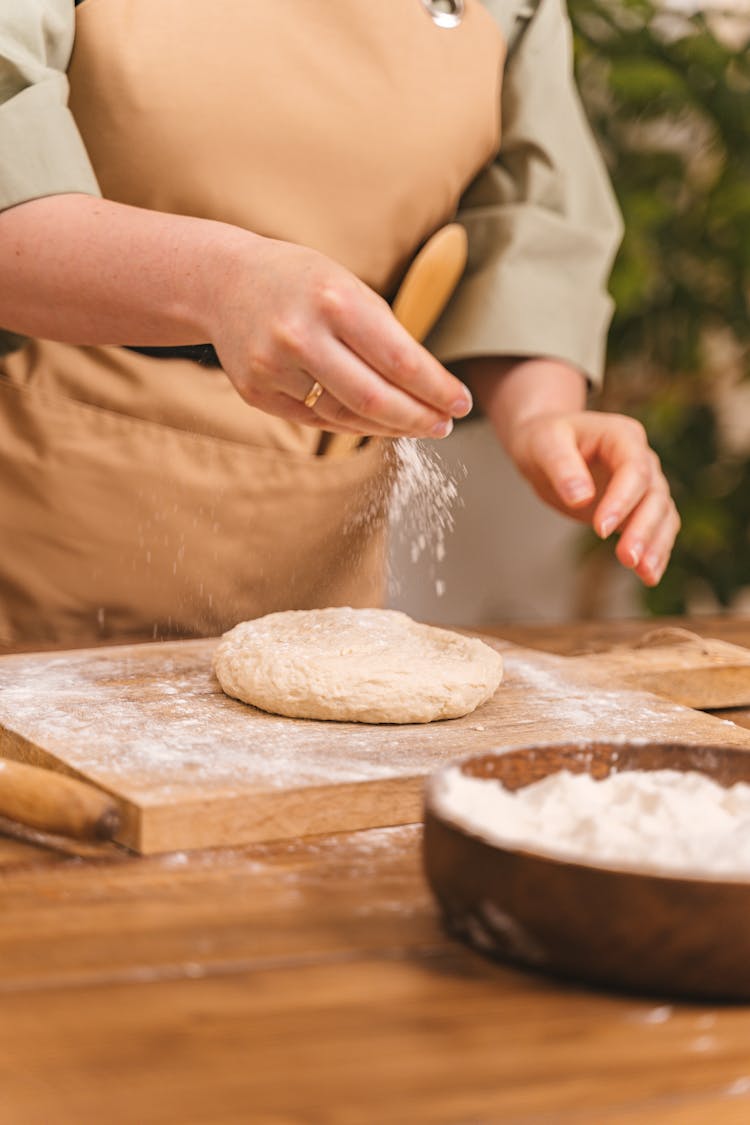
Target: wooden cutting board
[[192, 768], [697, 671]]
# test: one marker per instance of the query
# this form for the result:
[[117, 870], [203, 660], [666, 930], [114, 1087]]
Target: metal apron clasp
[[445, 13]]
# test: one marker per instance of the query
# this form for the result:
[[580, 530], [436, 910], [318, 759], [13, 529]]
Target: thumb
[[558, 457]]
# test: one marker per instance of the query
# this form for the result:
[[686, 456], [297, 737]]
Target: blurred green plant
[[669, 98]]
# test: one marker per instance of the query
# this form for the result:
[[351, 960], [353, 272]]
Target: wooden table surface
[[311, 982]]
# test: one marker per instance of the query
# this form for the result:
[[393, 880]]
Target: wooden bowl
[[624, 928]]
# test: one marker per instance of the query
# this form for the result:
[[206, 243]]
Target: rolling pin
[[421, 297], [430, 280], [53, 803]]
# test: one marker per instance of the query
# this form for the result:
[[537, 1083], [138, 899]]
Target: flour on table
[[668, 821], [355, 665]]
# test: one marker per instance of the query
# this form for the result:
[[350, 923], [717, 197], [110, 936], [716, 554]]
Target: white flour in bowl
[[666, 820]]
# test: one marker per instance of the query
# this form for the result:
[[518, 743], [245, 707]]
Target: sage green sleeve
[[41, 151], [542, 220]]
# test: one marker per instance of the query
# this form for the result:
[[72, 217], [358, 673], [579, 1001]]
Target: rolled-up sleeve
[[542, 220], [41, 151]]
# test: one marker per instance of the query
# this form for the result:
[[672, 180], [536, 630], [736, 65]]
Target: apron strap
[[204, 354]]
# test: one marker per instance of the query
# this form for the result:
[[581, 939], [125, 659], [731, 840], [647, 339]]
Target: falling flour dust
[[421, 505], [416, 496]]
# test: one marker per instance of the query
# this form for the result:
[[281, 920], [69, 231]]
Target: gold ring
[[313, 395]]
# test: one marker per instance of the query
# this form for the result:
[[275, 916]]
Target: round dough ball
[[355, 665]]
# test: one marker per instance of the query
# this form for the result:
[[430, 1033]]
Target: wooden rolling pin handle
[[53, 803], [107, 825]]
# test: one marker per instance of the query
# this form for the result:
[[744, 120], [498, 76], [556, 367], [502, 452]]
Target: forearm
[[282, 317], [512, 391], [84, 270]]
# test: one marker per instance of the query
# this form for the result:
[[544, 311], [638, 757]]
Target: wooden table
[[311, 982]]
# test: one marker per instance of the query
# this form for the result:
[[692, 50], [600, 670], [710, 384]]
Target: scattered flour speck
[[658, 1015], [739, 1087], [704, 1043]]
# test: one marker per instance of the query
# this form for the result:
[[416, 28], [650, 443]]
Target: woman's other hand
[[597, 468]]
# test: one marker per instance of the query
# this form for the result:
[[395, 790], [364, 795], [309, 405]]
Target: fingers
[[637, 503], [658, 548], [658, 554], [366, 326], [556, 455], [649, 534], [311, 320], [335, 418], [355, 398], [356, 395], [600, 468], [624, 449], [329, 413], [292, 410]]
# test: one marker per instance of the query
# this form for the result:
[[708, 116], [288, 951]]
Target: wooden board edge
[[234, 821], [702, 689]]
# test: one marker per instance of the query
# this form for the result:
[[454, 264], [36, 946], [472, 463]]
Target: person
[[204, 206]]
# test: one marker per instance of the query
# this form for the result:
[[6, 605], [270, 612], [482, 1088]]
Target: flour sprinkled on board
[[150, 722], [584, 712]]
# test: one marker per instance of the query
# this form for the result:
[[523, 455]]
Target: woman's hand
[[90, 271], [598, 468], [287, 316], [594, 467]]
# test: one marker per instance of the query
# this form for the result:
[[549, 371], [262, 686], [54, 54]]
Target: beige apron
[[139, 497]]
